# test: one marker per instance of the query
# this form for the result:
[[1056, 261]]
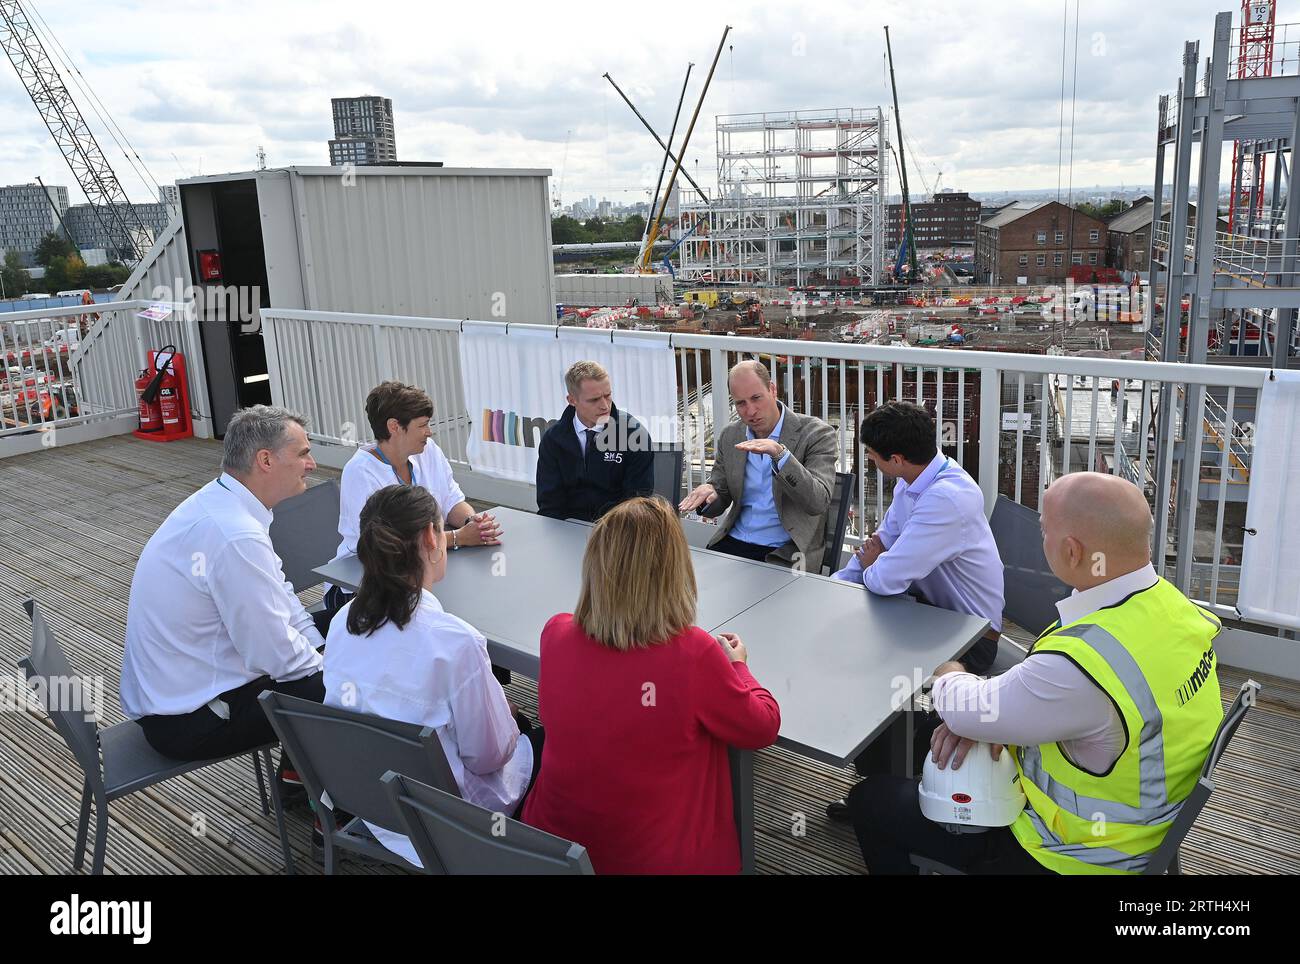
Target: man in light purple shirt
[[933, 543]]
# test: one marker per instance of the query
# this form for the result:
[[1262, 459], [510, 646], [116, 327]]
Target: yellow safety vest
[[1153, 655]]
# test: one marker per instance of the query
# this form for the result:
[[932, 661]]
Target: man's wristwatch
[[455, 540], [776, 459]]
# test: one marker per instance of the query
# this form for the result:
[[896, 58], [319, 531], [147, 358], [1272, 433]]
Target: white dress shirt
[[581, 431], [434, 672], [939, 543], [210, 609], [364, 475], [1047, 698]]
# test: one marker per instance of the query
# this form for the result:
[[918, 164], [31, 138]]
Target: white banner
[[514, 389], [1270, 561]]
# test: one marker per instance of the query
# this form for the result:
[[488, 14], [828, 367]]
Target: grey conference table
[[841, 662]]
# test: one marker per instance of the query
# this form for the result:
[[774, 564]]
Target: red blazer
[[634, 765]]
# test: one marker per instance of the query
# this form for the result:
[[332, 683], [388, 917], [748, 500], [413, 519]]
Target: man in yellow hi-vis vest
[[1109, 719]]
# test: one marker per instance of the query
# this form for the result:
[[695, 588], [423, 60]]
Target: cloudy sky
[[198, 85]]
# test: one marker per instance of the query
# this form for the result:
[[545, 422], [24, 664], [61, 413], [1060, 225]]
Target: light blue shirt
[[758, 522], [938, 543]]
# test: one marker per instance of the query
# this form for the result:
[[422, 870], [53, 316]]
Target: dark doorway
[[225, 217]]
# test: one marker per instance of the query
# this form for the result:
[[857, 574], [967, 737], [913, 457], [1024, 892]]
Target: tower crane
[[907, 236], [1254, 59], [89, 166]]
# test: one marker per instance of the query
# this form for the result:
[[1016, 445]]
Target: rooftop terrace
[[73, 520]]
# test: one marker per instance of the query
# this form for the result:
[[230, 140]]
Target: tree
[[63, 273], [104, 275], [16, 280], [53, 245], [567, 230], [1101, 212]]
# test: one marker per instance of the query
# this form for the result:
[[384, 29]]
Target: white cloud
[[500, 85]]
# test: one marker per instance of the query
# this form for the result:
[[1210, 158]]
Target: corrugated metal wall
[[455, 243]]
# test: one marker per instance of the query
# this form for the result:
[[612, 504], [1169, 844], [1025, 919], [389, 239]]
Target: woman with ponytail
[[393, 652]]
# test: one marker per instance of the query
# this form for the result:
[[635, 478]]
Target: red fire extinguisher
[[150, 411], [160, 394], [169, 398]]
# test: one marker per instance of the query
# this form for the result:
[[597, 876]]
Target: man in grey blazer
[[775, 469]]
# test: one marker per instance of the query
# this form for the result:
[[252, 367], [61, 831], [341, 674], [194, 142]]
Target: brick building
[[1037, 244], [950, 217]]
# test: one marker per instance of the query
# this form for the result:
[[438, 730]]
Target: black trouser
[[878, 758], [746, 550], [890, 826], [203, 735]]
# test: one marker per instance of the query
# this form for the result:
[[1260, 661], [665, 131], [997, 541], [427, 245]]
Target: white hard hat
[[982, 793]]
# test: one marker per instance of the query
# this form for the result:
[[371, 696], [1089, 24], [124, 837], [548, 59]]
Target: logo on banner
[[511, 428]]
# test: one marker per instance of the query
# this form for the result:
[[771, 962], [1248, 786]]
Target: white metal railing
[[1251, 260], [1283, 59], [76, 366], [1014, 421], [834, 115], [1255, 261]]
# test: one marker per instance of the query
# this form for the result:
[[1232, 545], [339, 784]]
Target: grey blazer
[[802, 490]]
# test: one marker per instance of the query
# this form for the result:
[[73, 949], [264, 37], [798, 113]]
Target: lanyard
[[410, 465]]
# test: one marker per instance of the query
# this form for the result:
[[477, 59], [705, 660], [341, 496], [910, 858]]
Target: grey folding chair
[[453, 836], [698, 533], [1031, 590], [305, 533], [1165, 859], [341, 754], [837, 520], [115, 760], [668, 465]]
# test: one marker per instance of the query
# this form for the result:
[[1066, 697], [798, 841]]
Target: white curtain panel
[[514, 387], [1270, 562]]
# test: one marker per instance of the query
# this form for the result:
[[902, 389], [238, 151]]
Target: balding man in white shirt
[[211, 621], [1047, 698]]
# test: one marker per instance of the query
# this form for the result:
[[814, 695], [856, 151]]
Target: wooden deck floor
[[72, 523]]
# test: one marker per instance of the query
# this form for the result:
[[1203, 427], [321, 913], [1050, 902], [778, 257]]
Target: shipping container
[[413, 240]]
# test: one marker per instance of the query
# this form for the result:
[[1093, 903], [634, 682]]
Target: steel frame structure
[[801, 200], [1232, 281]]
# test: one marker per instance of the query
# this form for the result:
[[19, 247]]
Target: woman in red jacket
[[640, 706]]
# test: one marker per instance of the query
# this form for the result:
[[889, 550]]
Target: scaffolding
[[1228, 294], [1241, 286], [800, 201]]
